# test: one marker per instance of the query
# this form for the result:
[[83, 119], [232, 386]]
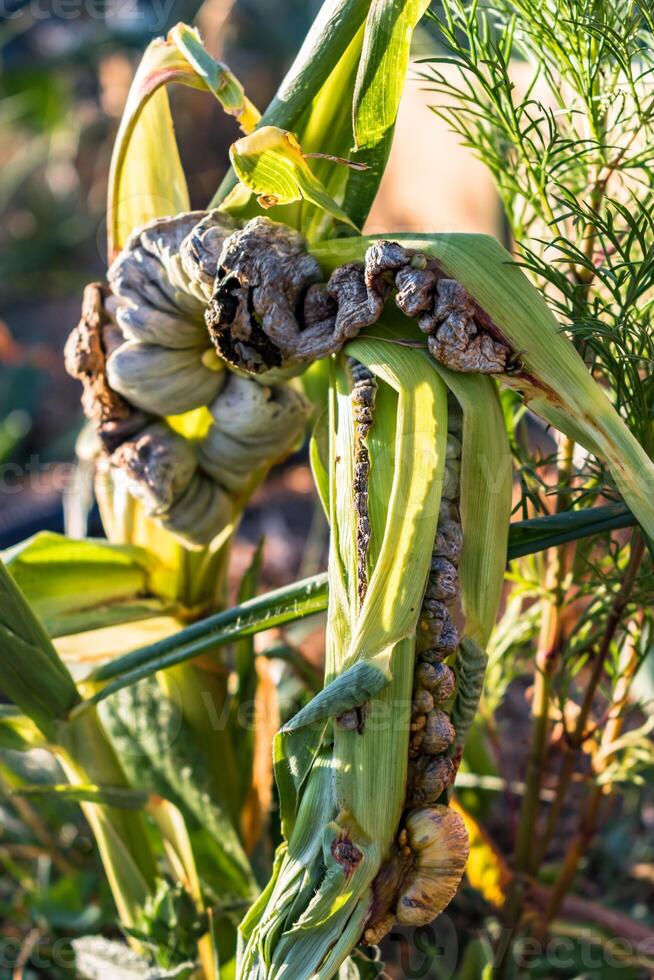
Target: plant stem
[[547, 658], [526, 861], [576, 739], [589, 818]]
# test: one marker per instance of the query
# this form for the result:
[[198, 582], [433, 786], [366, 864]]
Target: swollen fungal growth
[[192, 296], [431, 769], [269, 309], [143, 354], [363, 403], [439, 845]]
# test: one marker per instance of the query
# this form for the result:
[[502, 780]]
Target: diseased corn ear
[[486, 487], [483, 315], [164, 381], [439, 841], [253, 426]]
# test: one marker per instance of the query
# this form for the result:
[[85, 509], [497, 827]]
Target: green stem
[[589, 820], [309, 596]]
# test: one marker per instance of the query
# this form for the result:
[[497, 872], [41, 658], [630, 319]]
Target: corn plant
[[191, 357]]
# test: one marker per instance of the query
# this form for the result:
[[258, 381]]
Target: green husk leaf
[[319, 459], [270, 163], [390, 611], [486, 499], [350, 689], [31, 673], [294, 755], [75, 586]]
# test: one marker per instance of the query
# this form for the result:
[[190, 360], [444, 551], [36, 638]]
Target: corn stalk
[[189, 357]]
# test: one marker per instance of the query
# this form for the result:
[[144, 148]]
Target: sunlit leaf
[[271, 164], [81, 585], [378, 90], [31, 673]]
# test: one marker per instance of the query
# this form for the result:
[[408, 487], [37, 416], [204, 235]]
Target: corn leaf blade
[[31, 673], [159, 753], [75, 586], [307, 82], [379, 84]]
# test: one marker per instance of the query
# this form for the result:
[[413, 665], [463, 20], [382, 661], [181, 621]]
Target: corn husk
[[549, 373]]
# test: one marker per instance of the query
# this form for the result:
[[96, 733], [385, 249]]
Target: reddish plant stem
[[577, 737], [598, 793], [547, 659]]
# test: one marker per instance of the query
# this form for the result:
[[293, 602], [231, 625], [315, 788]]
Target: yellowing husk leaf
[[146, 179]]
